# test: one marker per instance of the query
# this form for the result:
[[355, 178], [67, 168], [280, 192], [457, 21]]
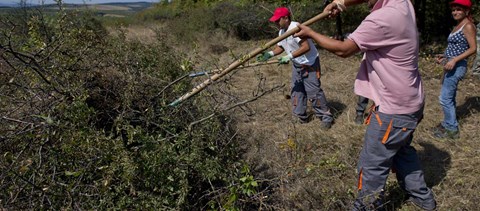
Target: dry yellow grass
[[302, 167], [311, 169]]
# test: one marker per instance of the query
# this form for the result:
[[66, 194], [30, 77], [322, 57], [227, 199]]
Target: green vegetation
[[84, 121], [243, 19]]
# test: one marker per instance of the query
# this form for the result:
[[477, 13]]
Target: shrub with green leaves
[[85, 123], [243, 20]]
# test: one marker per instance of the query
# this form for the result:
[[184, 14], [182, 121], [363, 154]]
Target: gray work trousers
[[306, 85], [387, 146]]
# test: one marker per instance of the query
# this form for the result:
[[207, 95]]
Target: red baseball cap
[[278, 13], [465, 3]]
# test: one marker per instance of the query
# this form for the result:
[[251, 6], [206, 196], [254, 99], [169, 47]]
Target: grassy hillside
[[300, 166]]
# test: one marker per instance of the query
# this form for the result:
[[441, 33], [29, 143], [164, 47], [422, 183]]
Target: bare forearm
[[340, 48], [277, 50], [304, 48]]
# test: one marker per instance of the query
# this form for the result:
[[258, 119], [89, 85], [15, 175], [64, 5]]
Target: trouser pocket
[[394, 131]]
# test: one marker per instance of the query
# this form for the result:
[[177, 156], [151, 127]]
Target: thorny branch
[[33, 63]]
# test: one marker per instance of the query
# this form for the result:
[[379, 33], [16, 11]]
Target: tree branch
[[234, 106]]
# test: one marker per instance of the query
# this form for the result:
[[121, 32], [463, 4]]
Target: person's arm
[[470, 32], [304, 48], [266, 55], [277, 50], [439, 58], [343, 49]]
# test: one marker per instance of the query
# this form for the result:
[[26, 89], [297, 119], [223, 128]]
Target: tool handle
[[242, 60]]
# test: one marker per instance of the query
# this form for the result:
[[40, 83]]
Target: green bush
[[85, 123], [244, 22], [242, 19]]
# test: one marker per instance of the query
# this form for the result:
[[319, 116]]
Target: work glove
[[264, 56], [285, 59]]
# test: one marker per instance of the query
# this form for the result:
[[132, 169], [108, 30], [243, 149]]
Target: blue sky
[[72, 1]]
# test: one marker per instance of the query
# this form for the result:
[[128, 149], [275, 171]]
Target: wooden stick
[[193, 75], [245, 58]]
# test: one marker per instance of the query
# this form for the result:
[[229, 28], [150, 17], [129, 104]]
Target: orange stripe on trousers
[[360, 178], [387, 133]]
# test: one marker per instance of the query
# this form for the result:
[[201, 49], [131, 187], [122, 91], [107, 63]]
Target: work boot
[[359, 120], [441, 132], [375, 206], [425, 205]]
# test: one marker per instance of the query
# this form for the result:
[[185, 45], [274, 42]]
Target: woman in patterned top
[[461, 44]]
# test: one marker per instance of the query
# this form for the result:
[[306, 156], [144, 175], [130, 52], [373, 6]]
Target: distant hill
[[133, 4], [7, 5], [117, 9]]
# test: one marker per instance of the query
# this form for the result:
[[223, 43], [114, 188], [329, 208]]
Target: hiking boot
[[425, 205], [376, 206], [359, 120], [441, 132], [325, 125]]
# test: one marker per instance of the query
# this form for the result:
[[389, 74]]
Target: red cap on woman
[[465, 3]]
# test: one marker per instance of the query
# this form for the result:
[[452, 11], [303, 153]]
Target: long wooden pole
[[193, 75], [245, 58]]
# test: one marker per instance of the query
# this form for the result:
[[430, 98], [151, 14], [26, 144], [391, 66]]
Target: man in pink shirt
[[389, 76]]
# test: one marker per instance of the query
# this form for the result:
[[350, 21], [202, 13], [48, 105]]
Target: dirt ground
[[301, 166], [304, 167]]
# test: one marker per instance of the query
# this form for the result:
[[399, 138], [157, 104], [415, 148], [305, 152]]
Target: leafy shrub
[[245, 22], [242, 20], [84, 122]]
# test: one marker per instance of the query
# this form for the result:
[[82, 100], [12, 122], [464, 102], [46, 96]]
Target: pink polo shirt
[[389, 74]]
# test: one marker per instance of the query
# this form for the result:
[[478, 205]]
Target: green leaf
[[74, 173], [243, 179]]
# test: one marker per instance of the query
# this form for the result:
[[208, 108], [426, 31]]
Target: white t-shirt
[[291, 44]]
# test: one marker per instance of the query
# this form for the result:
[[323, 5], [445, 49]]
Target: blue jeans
[[448, 94]]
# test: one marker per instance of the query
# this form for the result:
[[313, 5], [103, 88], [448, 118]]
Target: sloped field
[[304, 167]]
